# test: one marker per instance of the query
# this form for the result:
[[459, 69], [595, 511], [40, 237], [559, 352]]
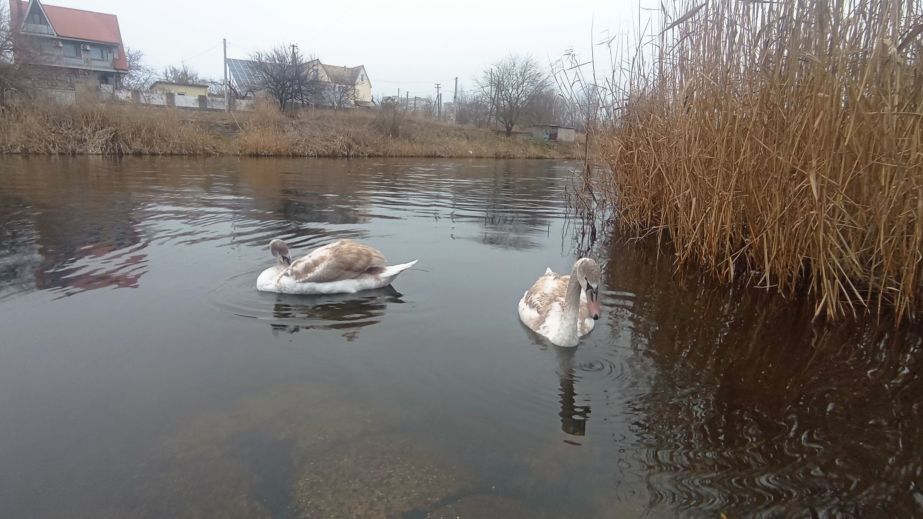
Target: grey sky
[[403, 44]]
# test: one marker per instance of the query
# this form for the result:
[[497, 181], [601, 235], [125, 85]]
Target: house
[[68, 47], [165, 87], [553, 132], [352, 78], [335, 86]]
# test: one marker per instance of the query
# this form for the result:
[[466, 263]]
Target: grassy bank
[[781, 141], [119, 129]]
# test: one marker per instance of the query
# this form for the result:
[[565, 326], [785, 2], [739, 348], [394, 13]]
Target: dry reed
[[123, 129], [782, 141]]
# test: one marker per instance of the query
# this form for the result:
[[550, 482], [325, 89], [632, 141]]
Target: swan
[[342, 267], [563, 308]]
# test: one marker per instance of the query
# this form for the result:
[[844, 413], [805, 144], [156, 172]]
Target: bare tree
[[14, 58], [340, 96], [182, 75], [545, 107], [473, 108], [284, 75], [509, 85], [140, 76], [391, 115]]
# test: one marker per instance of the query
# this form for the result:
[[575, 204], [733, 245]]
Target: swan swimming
[[563, 308], [342, 267]]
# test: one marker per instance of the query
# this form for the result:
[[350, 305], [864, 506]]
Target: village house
[[68, 48], [179, 89], [340, 86]]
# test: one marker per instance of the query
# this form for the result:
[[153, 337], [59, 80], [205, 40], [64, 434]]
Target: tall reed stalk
[[779, 140]]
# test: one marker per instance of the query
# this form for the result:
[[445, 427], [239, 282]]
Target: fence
[[108, 93]]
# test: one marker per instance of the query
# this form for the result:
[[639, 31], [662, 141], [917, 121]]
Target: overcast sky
[[403, 44]]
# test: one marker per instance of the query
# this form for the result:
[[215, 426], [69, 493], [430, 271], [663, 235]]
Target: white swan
[[563, 308], [341, 267]]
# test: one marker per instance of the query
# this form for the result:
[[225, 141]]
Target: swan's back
[[341, 260], [543, 300]]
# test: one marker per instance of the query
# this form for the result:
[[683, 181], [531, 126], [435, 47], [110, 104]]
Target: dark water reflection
[[141, 375]]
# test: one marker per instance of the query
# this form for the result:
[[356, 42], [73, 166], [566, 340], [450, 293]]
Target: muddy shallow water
[[142, 375]]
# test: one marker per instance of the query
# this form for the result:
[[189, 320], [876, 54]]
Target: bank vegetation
[[778, 142], [127, 129]]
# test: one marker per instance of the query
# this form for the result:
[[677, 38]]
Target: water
[[141, 374]]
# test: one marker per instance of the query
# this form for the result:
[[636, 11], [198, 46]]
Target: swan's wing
[[341, 260], [538, 301]]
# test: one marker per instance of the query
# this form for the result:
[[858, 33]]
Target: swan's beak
[[594, 308], [592, 302], [287, 260]]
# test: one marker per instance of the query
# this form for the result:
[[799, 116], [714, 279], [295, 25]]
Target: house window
[[97, 53], [71, 50]]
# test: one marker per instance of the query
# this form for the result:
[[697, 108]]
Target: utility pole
[[490, 107], [227, 86], [407, 100], [438, 103], [455, 101]]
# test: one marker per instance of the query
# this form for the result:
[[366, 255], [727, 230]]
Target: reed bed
[[779, 141], [101, 130], [124, 129]]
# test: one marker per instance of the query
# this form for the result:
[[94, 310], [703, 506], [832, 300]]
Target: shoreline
[[115, 129]]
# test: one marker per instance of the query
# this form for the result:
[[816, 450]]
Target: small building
[[179, 89], [67, 48], [553, 132], [354, 79]]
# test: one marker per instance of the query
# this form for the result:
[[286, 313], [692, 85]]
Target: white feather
[[270, 280]]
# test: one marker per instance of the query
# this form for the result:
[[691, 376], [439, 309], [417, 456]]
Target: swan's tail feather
[[393, 270]]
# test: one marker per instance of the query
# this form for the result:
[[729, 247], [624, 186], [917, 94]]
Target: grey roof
[[342, 75], [245, 74]]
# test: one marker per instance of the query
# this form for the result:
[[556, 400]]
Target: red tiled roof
[[78, 24]]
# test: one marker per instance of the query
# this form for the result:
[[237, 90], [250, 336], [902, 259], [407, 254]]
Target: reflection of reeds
[[752, 407], [784, 139]]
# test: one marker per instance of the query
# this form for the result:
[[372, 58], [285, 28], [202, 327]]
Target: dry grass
[[782, 141], [102, 130], [116, 129]]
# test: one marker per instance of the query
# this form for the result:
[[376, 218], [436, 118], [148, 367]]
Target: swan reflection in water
[[573, 417], [347, 312]]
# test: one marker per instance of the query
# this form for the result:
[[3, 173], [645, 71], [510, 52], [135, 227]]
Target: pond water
[[142, 375]]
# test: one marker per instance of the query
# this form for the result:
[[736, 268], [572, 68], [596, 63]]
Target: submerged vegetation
[[124, 129], [781, 142]]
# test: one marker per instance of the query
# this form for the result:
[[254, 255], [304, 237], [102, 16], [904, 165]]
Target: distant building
[[340, 86], [165, 87], [70, 47], [349, 77], [553, 132]]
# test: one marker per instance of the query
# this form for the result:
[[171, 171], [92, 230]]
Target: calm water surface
[[142, 375]]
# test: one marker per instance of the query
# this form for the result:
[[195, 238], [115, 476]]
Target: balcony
[[37, 28], [59, 60]]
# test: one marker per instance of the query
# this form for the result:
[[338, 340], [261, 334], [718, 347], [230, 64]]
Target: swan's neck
[[571, 310]]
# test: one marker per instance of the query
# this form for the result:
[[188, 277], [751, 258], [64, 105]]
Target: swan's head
[[587, 272], [280, 251]]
